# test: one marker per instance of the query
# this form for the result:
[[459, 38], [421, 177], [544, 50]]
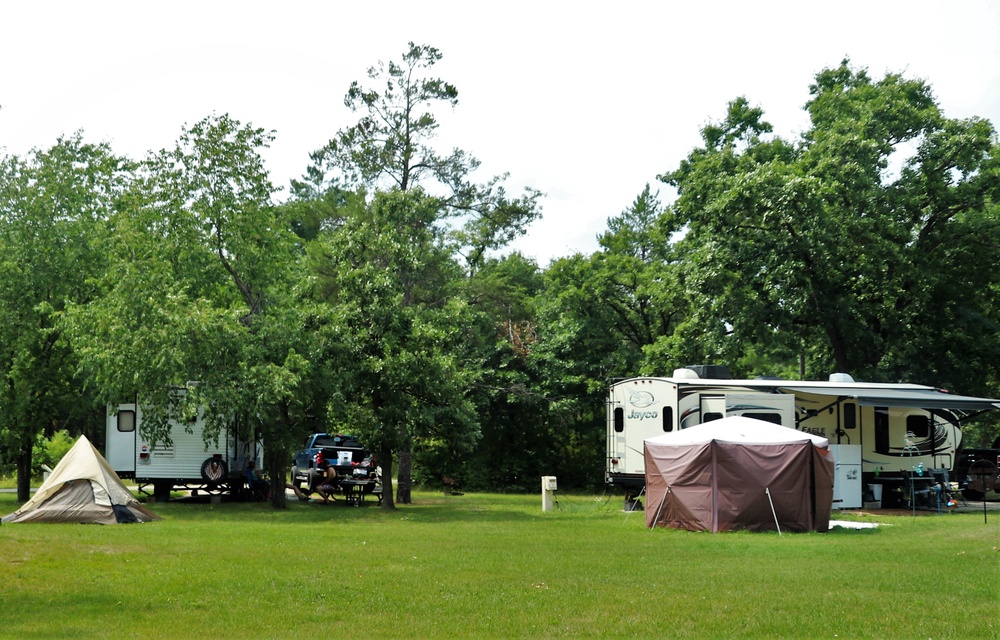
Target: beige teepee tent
[[82, 488]]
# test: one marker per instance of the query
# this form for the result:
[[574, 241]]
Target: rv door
[[120, 439]]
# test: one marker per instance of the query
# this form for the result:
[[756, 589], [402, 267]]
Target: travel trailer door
[[119, 439]]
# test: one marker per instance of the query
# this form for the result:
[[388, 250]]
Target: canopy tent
[[82, 488], [739, 473]]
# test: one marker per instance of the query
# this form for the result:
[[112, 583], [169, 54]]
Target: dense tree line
[[378, 299]]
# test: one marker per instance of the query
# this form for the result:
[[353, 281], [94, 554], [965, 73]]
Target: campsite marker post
[[548, 492]]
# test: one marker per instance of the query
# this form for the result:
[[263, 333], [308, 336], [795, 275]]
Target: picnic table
[[355, 490]]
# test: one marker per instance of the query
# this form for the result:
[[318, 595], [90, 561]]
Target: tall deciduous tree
[[391, 148], [204, 287], [846, 244], [54, 207], [390, 284]]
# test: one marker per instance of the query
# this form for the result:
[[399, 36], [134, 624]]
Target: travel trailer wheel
[[214, 470]]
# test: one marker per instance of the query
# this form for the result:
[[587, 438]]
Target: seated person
[[328, 485], [256, 482]]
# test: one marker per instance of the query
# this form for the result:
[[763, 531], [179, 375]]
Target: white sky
[[583, 102]]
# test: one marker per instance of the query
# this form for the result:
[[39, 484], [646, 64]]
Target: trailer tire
[[214, 470]]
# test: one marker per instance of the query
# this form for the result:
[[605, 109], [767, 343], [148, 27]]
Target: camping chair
[[946, 494], [256, 488]]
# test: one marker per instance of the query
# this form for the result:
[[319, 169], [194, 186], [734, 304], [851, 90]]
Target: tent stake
[[767, 490]]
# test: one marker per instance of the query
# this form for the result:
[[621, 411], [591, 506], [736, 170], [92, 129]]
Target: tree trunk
[[405, 480], [274, 462], [24, 473], [385, 461]]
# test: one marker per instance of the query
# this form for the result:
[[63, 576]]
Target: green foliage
[[388, 279], [822, 248], [54, 211], [50, 450], [390, 147]]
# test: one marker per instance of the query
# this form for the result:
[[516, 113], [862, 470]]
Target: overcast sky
[[583, 102]]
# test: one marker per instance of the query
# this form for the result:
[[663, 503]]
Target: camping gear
[[738, 473], [82, 488]]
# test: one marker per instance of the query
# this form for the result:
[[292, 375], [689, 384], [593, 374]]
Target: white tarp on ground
[[82, 488]]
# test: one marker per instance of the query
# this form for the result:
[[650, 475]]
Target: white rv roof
[[874, 394]]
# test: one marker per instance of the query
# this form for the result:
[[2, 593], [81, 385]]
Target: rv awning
[[916, 398]]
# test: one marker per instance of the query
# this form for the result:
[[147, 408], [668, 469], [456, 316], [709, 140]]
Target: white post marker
[[548, 492]]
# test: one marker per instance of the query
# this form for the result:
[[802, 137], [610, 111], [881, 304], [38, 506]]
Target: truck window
[[619, 419], [126, 421], [668, 418], [711, 415], [919, 426], [773, 418], [850, 415]]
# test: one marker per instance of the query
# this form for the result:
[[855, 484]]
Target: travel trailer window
[[619, 419], [126, 421], [712, 415], [919, 426], [850, 415], [668, 418]]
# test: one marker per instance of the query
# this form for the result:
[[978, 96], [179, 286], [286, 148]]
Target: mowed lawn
[[484, 565]]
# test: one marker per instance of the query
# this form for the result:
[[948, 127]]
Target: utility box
[[847, 476], [548, 492]]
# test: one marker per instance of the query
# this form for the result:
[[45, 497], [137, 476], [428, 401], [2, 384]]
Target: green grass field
[[496, 566]]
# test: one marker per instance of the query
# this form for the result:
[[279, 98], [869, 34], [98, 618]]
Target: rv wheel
[[214, 470]]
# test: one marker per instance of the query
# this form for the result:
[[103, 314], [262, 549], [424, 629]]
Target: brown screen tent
[[739, 473], [82, 488]]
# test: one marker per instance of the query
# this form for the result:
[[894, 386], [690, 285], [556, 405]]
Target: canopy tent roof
[[738, 430]]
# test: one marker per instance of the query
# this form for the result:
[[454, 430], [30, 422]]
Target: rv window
[[710, 416], [850, 415], [668, 418], [773, 418], [619, 419], [919, 425], [126, 421]]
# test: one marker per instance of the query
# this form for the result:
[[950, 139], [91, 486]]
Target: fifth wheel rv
[[187, 463], [896, 428]]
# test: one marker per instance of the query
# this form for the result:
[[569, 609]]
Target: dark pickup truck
[[977, 475], [354, 464]]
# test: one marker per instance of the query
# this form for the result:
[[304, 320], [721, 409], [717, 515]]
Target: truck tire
[[214, 471]]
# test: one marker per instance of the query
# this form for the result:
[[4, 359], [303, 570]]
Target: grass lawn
[[484, 565]]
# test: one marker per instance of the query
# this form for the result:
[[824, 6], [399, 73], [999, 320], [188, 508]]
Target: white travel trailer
[[900, 428], [187, 463]]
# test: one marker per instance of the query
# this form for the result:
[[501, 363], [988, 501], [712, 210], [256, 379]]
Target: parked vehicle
[[900, 427], [188, 462], [977, 473], [352, 461]]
